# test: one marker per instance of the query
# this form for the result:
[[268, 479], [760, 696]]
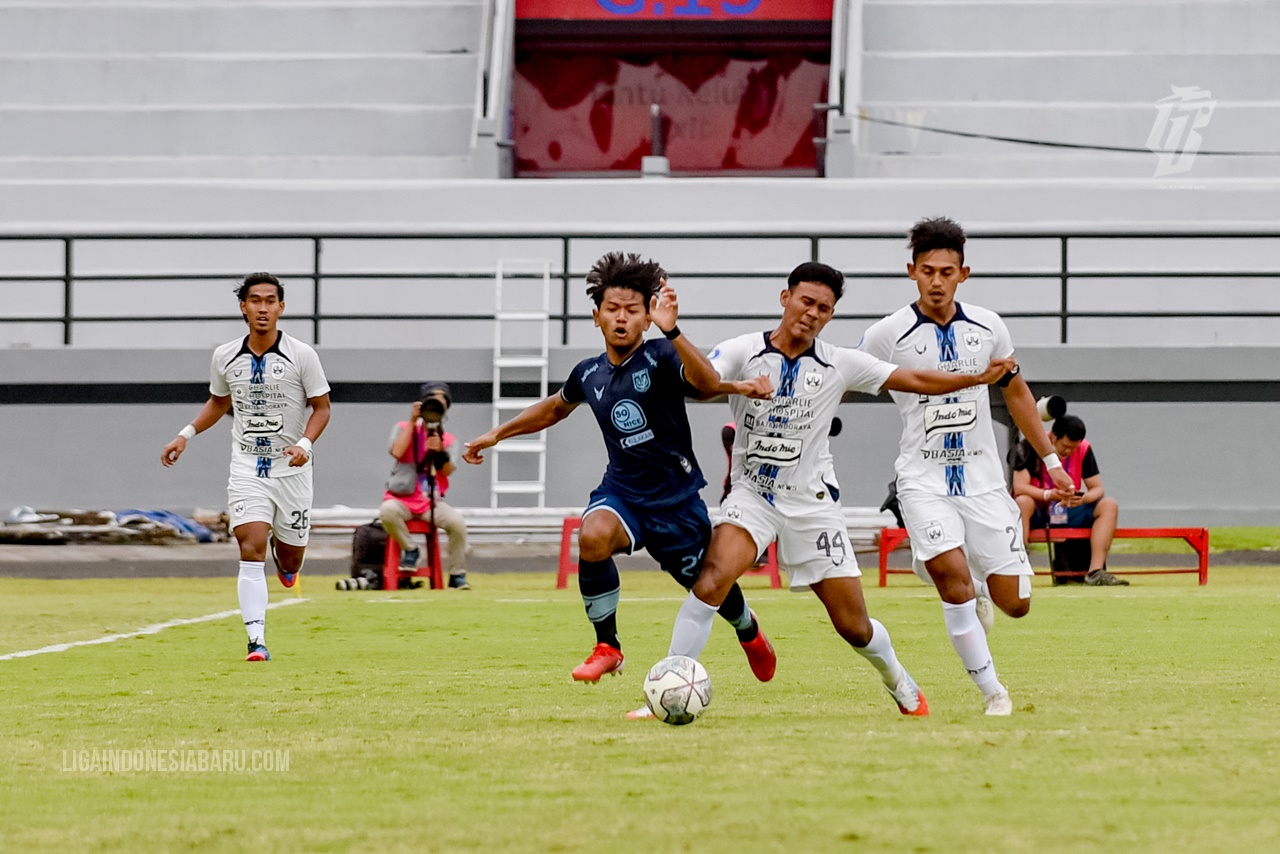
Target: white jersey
[[781, 449], [948, 446], [269, 396]]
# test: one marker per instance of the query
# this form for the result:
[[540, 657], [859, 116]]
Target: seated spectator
[[1088, 507], [422, 442]]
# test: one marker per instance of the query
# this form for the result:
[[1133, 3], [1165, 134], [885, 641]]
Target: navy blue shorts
[[1077, 517], [676, 536]]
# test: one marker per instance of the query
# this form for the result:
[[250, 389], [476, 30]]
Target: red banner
[[590, 113], [675, 10]]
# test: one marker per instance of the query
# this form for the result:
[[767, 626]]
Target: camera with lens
[[436, 399]]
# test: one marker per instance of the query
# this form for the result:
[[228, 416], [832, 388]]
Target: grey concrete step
[[262, 130], [1035, 76], [268, 28], [103, 80], [636, 205], [291, 168], [1017, 162], [1232, 127], [1129, 25]]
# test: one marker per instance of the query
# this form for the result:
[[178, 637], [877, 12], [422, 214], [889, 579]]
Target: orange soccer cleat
[[603, 659], [760, 654], [909, 697]]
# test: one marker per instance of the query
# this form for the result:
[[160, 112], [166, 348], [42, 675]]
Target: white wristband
[[305, 444], [1051, 462], [188, 432]]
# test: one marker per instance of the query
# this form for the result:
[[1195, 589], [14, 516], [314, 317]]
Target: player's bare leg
[[601, 536], [252, 586], [847, 609], [950, 574], [1011, 594]]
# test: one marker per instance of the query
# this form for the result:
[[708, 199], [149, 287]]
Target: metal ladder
[[510, 312]]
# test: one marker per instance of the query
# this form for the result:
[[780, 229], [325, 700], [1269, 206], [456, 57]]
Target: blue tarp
[[181, 523]]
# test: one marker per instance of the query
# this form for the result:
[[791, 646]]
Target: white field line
[[145, 630]]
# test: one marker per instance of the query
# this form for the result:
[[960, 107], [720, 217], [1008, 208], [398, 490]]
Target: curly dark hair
[[616, 270], [938, 233]]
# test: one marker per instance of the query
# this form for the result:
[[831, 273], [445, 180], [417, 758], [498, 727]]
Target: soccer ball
[[677, 690]]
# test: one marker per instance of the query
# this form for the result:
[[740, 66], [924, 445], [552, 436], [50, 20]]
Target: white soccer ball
[[677, 690]]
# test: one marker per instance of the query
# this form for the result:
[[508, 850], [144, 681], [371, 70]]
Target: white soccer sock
[[693, 627], [252, 587], [970, 642], [980, 587], [879, 651]]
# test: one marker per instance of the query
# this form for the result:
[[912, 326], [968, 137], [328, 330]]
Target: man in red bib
[[1042, 504]]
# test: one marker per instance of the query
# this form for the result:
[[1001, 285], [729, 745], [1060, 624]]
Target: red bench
[[1197, 538], [391, 570], [569, 566]]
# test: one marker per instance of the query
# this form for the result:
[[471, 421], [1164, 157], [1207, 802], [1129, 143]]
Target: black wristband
[[1004, 381], [672, 334]]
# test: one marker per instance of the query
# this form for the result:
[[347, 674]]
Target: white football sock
[[693, 627], [252, 587], [879, 651], [970, 642]]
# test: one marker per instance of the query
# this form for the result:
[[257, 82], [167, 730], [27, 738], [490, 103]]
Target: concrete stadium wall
[[1167, 463]]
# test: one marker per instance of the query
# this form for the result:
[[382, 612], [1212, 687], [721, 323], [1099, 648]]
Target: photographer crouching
[[419, 481]]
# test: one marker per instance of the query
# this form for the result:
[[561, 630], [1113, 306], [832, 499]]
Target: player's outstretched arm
[[320, 411], [1021, 404], [664, 310], [543, 414], [213, 409], [942, 382]]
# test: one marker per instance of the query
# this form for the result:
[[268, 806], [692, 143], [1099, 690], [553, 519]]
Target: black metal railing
[[317, 276]]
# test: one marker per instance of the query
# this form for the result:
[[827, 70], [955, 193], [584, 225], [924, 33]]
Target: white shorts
[[813, 541], [284, 503], [988, 527]]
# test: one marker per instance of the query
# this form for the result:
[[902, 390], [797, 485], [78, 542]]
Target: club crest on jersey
[[972, 341], [277, 370], [812, 381], [734, 513], [628, 416], [238, 391], [640, 379], [933, 531]]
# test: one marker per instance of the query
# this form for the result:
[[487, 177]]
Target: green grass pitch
[[1145, 720]]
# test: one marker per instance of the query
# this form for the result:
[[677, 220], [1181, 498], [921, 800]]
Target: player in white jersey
[[268, 380], [784, 485], [951, 484]]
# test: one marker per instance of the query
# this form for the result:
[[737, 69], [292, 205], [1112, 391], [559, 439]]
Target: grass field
[[1145, 719]]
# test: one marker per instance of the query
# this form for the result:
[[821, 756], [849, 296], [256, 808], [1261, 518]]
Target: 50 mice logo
[[628, 417]]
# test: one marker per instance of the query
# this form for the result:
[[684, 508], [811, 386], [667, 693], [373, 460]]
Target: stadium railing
[[69, 318]]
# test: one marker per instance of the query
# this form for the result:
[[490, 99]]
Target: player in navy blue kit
[[649, 495]]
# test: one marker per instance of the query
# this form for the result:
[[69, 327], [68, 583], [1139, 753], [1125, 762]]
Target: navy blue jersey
[[639, 406]]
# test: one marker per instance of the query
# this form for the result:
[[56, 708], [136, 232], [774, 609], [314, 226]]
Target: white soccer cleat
[[999, 705], [910, 699], [644, 713], [986, 611]]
